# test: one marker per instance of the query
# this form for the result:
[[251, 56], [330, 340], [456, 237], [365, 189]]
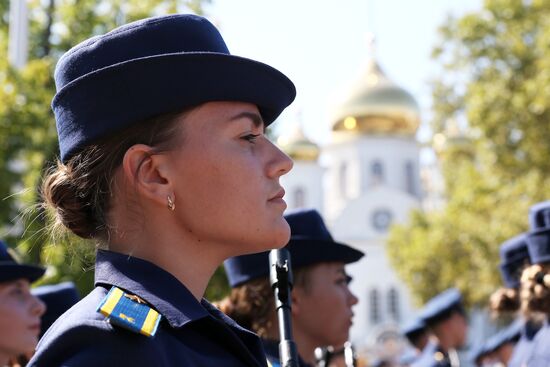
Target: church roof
[[375, 104]]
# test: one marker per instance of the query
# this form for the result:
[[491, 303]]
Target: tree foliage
[[495, 85], [28, 140]]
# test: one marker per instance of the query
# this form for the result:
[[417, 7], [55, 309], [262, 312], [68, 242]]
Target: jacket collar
[[156, 286]]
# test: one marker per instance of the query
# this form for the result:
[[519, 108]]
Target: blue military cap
[[513, 257], [151, 67], [509, 334], [539, 215], [538, 240], [441, 306], [414, 327], [10, 269], [58, 299], [478, 352], [310, 243]]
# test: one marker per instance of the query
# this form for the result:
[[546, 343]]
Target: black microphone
[[280, 276]]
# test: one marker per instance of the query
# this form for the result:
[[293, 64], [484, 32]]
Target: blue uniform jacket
[[540, 353], [272, 352], [524, 347], [189, 334]]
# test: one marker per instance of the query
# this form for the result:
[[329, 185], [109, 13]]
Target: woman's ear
[[146, 172]]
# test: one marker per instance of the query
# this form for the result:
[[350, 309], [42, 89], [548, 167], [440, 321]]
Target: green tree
[[495, 85], [28, 137]]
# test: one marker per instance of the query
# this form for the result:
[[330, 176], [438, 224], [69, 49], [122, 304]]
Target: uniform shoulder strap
[[130, 312]]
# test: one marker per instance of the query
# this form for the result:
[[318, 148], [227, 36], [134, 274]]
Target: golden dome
[[297, 146], [377, 105]]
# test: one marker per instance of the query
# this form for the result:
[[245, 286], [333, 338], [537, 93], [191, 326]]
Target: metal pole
[[281, 282]]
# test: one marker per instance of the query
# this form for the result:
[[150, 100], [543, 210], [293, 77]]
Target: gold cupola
[[297, 146], [376, 105]]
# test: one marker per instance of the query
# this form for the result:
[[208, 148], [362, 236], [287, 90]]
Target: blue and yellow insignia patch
[[130, 312]]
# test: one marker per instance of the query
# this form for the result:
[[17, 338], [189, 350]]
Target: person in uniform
[[418, 336], [505, 302], [502, 344], [20, 311], [445, 317], [58, 298], [321, 300], [535, 282], [165, 166]]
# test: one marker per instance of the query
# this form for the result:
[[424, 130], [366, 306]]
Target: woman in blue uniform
[[20, 311], [165, 167], [321, 300]]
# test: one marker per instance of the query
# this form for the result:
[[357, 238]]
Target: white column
[[18, 33]]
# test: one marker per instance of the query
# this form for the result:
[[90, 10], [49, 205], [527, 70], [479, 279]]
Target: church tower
[[372, 180], [303, 183]]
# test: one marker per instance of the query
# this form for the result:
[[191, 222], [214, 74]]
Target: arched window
[[410, 184], [393, 304], [374, 301], [377, 173], [343, 178], [299, 197]]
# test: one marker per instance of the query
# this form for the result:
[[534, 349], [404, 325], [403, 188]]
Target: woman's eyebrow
[[255, 117]]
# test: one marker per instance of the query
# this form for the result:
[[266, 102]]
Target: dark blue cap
[[477, 352], [510, 334], [58, 299], [10, 269], [441, 306], [538, 240], [513, 257], [539, 215], [413, 327], [310, 243], [151, 67]]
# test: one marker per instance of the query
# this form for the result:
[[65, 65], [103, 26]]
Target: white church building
[[366, 178]]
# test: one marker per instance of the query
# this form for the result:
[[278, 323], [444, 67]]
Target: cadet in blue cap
[[514, 257], [20, 311], [416, 332], [535, 282], [165, 166], [502, 344], [497, 350], [446, 319], [321, 300]]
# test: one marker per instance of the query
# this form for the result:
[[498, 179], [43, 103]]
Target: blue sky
[[322, 46]]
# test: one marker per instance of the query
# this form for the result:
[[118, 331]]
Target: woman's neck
[[191, 262], [306, 347]]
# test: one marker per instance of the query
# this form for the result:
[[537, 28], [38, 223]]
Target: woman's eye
[[344, 280], [17, 291], [251, 137]]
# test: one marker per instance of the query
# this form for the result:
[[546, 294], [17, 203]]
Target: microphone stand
[[280, 276]]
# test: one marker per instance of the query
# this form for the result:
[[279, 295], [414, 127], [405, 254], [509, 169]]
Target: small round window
[[381, 219]]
